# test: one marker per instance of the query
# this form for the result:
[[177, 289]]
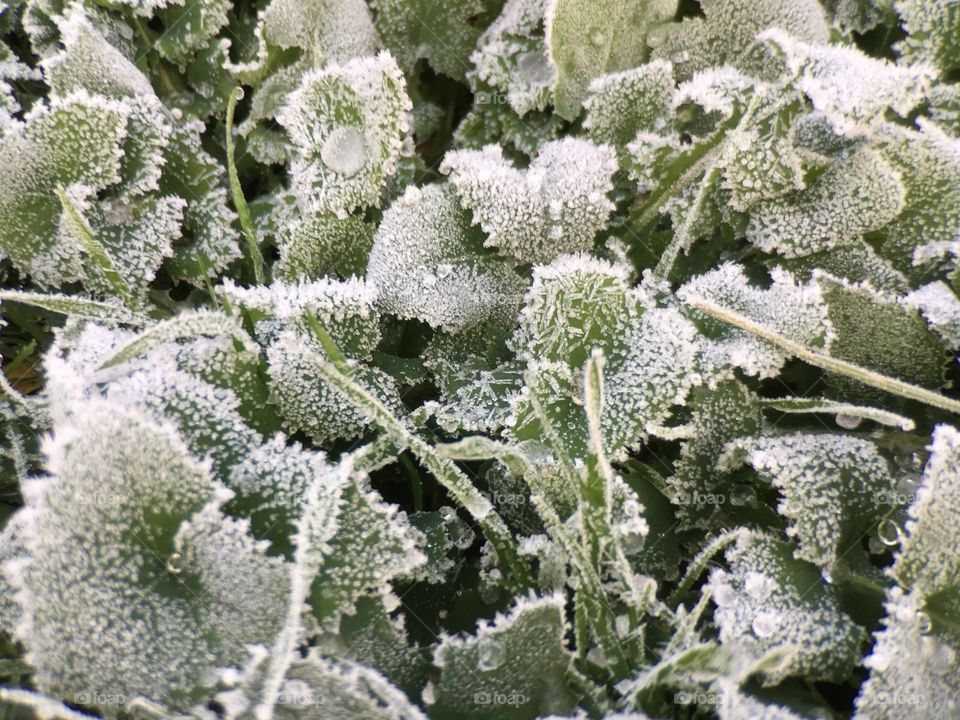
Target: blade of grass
[[254, 257]]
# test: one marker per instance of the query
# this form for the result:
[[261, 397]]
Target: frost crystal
[[347, 124], [556, 206], [782, 603], [832, 487]]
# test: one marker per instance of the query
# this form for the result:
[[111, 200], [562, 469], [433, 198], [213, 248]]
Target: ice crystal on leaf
[[557, 205], [428, 262], [347, 124], [622, 104], [778, 602], [141, 562], [794, 310], [932, 30], [831, 486], [726, 34]]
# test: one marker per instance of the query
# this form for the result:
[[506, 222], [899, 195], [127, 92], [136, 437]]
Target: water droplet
[[765, 624], [724, 595], [240, 94], [888, 532], [345, 151], [924, 623], [848, 422], [491, 653], [535, 68], [177, 114], [175, 563], [444, 270], [876, 547], [429, 694], [465, 538], [126, 32], [656, 38], [597, 37], [758, 586], [743, 495], [680, 57]]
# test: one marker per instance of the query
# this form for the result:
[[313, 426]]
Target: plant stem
[[826, 362], [254, 257], [97, 253]]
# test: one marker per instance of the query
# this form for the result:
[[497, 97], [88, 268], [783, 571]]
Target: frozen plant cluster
[[480, 359]]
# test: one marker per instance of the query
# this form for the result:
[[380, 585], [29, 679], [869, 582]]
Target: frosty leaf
[[769, 600], [76, 142], [830, 487], [727, 34], [940, 308], [347, 124], [853, 260], [588, 39], [796, 311], [575, 303], [912, 670], [340, 690], [859, 15], [444, 32], [735, 704], [337, 30], [512, 59], [929, 163], [654, 372], [719, 415], [760, 167], [210, 240], [307, 402], [880, 332], [845, 413], [855, 196], [851, 88], [484, 402], [184, 326], [427, 262], [189, 26], [373, 545], [322, 245], [932, 29], [925, 563], [75, 306], [622, 104], [88, 61], [557, 205], [132, 617], [520, 656], [345, 309]]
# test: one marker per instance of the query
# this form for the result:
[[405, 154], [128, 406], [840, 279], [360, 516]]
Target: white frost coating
[[89, 61], [940, 308], [792, 310], [556, 206], [933, 29], [854, 196], [790, 609], [427, 263], [727, 34], [852, 89], [103, 611], [511, 57], [928, 562], [831, 486], [337, 30], [366, 97], [344, 308], [622, 104], [716, 90]]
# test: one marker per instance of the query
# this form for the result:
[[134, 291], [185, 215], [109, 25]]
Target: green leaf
[[588, 39], [622, 104], [512, 669]]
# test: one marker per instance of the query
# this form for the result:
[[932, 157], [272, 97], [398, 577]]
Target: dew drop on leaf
[[765, 624], [924, 623], [724, 595], [743, 495], [848, 422], [175, 563], [888, 532], [534, 68], [491, 654], [344, 151]]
